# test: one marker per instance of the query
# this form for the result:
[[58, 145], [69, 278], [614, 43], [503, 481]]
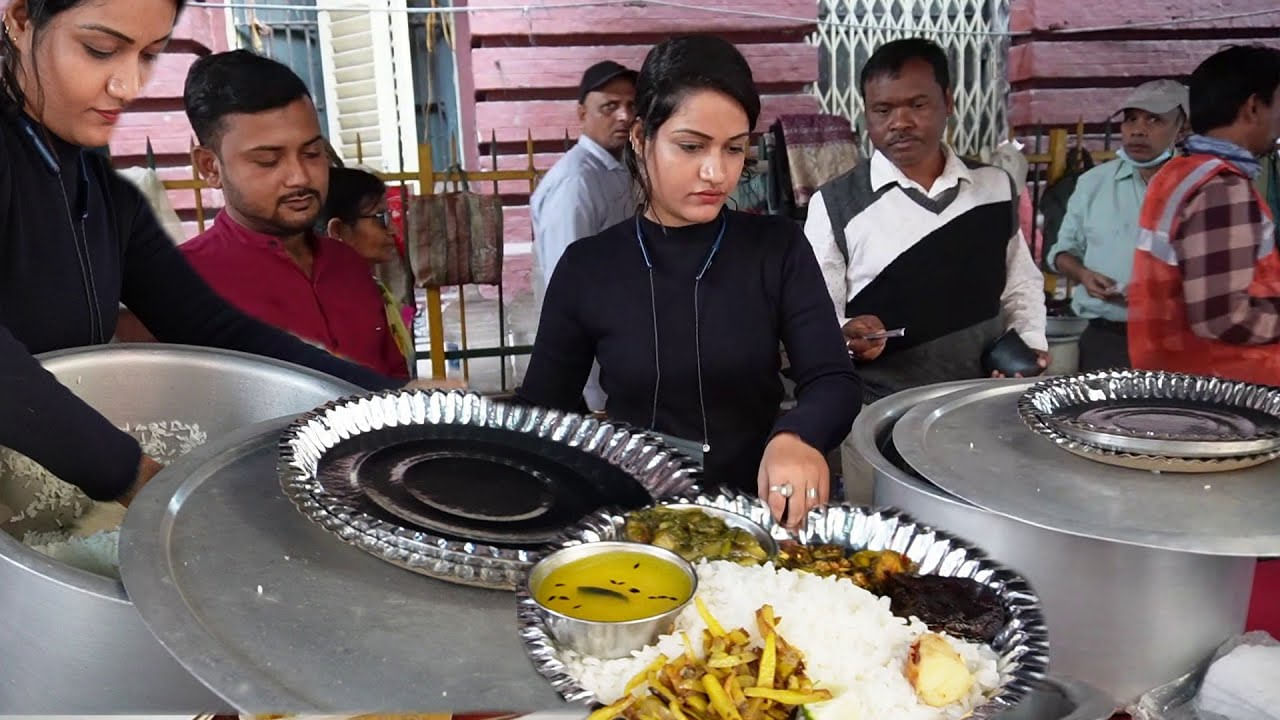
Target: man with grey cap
[[1099, 233], [589, 189]]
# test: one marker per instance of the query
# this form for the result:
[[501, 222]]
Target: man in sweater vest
[[917, 238]]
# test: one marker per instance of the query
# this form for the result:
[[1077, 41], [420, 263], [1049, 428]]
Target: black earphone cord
[[697, 331], [97, 329]]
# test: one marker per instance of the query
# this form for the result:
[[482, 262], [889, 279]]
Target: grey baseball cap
[[1159, 97]]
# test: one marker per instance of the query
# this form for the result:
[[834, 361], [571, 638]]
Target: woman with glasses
[[356, 214]]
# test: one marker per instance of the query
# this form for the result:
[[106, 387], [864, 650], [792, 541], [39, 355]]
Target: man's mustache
[[300, 196]]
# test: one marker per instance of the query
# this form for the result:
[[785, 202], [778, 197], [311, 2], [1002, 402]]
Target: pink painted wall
[[521, 71], [1059, 78], [159, 115]]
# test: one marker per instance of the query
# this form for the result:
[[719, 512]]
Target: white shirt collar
[[604, 156], [884, 172]]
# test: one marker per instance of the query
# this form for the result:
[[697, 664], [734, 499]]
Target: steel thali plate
[[447, 483], [1022, 645], [1157, 414]]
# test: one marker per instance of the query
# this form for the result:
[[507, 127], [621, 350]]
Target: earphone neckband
[[697, 330]]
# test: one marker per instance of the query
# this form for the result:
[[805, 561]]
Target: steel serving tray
[[974, 445], [276, 615]]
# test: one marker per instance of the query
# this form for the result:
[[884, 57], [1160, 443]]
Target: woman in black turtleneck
[[76, 239], [627, 297]]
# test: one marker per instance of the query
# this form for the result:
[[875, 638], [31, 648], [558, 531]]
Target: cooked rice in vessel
[[57, 519]]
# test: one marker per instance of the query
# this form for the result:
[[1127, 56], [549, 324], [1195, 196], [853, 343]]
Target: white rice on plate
[[852, 644]]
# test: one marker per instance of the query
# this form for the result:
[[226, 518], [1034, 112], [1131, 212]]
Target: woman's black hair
[[675, 68], [352, 192], [40, 12], [890, 58]]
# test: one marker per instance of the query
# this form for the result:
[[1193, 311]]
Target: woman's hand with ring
[[793, 479]]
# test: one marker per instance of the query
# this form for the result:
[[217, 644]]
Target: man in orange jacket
[[1205, 296]]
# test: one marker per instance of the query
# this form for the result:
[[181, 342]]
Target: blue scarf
[[1227, 150]]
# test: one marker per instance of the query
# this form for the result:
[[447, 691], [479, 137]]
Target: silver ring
[[811, 493], [785, 491]]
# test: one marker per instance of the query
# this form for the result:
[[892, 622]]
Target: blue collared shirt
[[585, 192], [1101, 229]]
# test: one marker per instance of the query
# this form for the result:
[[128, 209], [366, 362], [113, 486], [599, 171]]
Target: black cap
[[600, 74]]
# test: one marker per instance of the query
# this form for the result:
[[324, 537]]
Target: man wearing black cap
[[589, 189]]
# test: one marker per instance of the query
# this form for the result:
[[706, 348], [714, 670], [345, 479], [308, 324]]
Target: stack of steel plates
[[1157, 420], [462, 488]]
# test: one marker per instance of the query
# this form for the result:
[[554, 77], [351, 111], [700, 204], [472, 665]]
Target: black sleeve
[[563, 350], [42, 419], [828, 392], [177, 306]]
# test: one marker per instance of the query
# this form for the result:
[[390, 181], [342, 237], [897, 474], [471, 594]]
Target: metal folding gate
[[974, 33]]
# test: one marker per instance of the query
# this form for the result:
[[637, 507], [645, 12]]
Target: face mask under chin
[[1156, 161]]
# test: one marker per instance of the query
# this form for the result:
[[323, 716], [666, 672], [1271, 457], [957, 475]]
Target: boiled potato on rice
[[937, 672]]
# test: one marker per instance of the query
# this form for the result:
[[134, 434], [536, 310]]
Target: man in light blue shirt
[[589, 189], [1099, 233]]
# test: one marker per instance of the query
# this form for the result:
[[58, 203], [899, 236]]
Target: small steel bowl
[[599, 639], [733, 520]]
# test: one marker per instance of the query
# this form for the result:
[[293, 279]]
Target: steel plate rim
[[1032, 410], [1172, 449], [1029, 654], [1092, 452], [865, 439], [667, 472]]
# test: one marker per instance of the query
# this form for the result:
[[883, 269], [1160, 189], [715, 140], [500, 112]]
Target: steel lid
[[275, 614], [973, 444]]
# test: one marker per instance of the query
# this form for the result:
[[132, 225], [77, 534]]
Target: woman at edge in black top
[[685, 304], [76, 239]]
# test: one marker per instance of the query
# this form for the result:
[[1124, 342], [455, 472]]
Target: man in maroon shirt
[[260, 143]]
